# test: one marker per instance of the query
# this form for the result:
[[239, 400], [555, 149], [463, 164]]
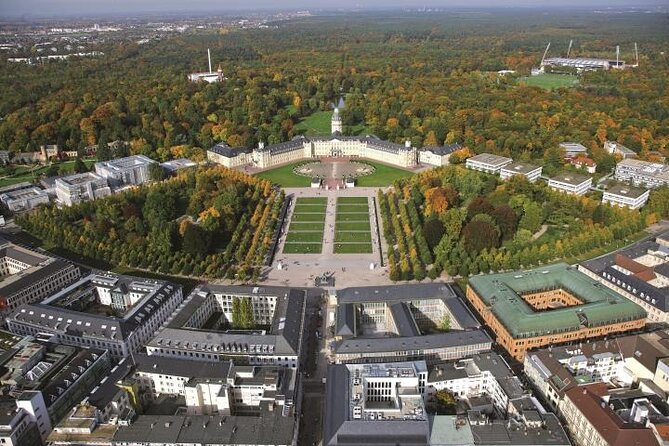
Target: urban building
[[202, 328], [95, 419], [529, 171], [573, 149], [642, 173], [27, 276], [16, 426], [131, 170], [174, 166], [626, 196], [404, 323], [591, 421], [487, 162], [73, 189], [24, 199], [267, 429], [639, 272], [570, 183], [548, 306], [584, 163], [225, 155], [105, 311], [211, 388], [376, 404], [615, 148], [437, 155]]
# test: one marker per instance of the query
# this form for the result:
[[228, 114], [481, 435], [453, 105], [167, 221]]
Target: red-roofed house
[[583, 162], [591, 422]]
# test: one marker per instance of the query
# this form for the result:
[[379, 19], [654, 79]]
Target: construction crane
[[545, 52]]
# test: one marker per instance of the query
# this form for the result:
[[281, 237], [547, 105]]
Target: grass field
[[28, 173], [352, 200], [355, 208], [302, 248], [353, 225], [284, 176], [550, 81], [320, 124], [352, 229], [383, 175], [350, 236], [305, 233], [352, 248], [304, 237]]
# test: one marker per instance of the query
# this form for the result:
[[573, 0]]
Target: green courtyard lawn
[[284, 176], [309, 208], [352, 226], [353, 248], [312, 200], [355, 208], [30, 173], [302, 248], [352, 200], [304, 237], [319, 217], [550, 81], [301, 226], [383, 175], [341, 236], [352, 217]]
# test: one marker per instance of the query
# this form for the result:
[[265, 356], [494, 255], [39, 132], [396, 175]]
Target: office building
[[529, 171], [642, 173], [487, 162], [74, 189], [548, 306], [570, 183], [105, 311], [131, 170], [626, 196]]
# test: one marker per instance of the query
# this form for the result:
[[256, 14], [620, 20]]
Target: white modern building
[[573, 149], [570, 183], [131, 170], [24, 199], [615, 148], [487, 162], [529, 171], [642, 173], [80, 187], [626, 196]]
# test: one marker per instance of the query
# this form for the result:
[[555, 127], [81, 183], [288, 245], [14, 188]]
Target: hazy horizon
[[62, 8]]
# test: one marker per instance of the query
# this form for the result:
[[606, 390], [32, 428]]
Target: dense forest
[[464, 222], [431, 78], [211, 222]]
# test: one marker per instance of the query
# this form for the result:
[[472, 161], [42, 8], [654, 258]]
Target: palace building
[[551, 305], [336, 145]]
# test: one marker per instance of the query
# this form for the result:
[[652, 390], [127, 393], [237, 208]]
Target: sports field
[[550, 81], [352, 228], [305, 233]]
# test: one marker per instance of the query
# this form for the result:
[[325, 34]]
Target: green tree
[[156, 172], [532, 218], [80, 166], [103, 152]]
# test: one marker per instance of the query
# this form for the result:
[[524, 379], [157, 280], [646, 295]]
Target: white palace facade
[[303, 147]]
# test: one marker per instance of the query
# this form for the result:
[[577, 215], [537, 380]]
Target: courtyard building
[[548, 306], [639, 272], [106, 311], [27, 276]]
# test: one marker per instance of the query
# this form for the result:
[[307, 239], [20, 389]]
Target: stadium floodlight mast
[[209, 57], [569, 49], [636, 52]]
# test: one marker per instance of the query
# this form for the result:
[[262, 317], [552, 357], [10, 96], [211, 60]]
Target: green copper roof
[[601, 306]]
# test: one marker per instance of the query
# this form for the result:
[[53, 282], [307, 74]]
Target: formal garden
[[305, 233], [352, 227]]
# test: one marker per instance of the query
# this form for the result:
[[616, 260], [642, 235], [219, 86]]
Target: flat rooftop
[[627, 191], [521, 168], [573, 179], [489, 158]]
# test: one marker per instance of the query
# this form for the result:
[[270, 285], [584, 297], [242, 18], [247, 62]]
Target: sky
[[41, 8]]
